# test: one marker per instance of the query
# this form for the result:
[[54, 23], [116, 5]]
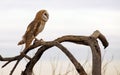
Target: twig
[[14, 67]]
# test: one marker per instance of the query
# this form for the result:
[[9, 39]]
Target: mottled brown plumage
[[34, 28]]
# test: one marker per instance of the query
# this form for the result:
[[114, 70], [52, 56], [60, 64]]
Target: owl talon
[[36, 40], [42, 42]]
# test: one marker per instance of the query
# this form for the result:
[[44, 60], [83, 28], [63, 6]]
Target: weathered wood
[[77, 65], [82, 40], [101, 37], [96, 56], [38, 54]]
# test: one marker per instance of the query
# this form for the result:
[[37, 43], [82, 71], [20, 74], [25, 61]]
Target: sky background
[[67, 17]]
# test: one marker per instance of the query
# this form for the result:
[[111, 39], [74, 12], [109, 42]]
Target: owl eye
[[45, 16]]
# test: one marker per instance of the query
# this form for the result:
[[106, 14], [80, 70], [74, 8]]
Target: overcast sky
[[60, 4], [67, 17], [74, 17]]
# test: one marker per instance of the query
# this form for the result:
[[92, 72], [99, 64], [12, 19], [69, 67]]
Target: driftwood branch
[[38, 54], [101, 37], [82, 40]]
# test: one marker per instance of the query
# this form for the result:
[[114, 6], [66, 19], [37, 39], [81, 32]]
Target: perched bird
[[34, 28]]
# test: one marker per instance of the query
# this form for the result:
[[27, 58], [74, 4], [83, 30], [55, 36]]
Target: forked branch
[[83, 40]]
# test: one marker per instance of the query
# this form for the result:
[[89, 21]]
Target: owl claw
[[42, 42], [36, 40]]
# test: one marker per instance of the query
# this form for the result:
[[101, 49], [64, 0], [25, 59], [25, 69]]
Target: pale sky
[[67, 17]]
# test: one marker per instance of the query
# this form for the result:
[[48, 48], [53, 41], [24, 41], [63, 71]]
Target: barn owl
[[34, 28]]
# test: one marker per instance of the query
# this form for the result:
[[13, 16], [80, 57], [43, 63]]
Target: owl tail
[[21, 42]]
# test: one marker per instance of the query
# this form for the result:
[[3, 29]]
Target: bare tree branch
[[101, 37], [77, 65], [83, 40]]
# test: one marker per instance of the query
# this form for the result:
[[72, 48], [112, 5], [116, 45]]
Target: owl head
[[42, 15]]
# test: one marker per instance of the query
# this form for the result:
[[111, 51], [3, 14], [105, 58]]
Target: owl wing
[[37, 27], [31, 33], [31, 29]]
